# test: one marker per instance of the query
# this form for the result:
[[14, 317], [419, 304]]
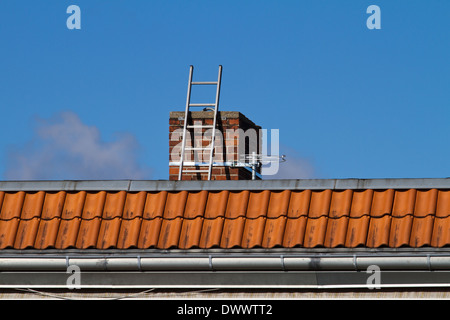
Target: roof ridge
[[217, 185]]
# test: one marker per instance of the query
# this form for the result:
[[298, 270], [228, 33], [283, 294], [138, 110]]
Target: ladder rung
[[198, 170], [196, 127], [204, 82], [202, 105]]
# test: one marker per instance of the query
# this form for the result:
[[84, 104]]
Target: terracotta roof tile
[[134, 205], [443, 204], [67, 233], [225, 219], [113, 204], [149, 233], [404, 201], [129, 233], [341, 202], [32, 206], [87, 236], [232, 232], [299, 203], [190, 234], [216, 204], [12, 205], [278, 204], [421, 231], [237, 204], [195, 205], [26, 233], [253, 232], [315, 232], [175, 205], [109, 233], [357, 231], [400, 231], [274, 231], [155, 204], [169, 235], [294, 232], [8, 230], [441, 234], [361, 203], [47, 233], [320, 203], [73, 205], [94, 205], [379, 230], [211, 234], [257, 204], [336, 232], [425, 203], [382, 202]]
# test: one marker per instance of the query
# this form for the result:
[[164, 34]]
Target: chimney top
[[237, 136]]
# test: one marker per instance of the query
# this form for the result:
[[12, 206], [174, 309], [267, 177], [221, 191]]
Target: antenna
[[257, 160]]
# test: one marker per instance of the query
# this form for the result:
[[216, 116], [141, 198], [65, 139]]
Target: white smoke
[[66, 148]]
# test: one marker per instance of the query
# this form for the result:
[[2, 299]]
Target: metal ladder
[[186, 126]]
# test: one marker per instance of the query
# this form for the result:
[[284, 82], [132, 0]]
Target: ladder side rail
[[183, 144], [216, 108]]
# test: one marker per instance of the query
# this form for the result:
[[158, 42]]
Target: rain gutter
[[229, 262], [220, 271], [212, 262]]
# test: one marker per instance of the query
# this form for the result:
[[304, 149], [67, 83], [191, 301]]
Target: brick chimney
[[236, 137]]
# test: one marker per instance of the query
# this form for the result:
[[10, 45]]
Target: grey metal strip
[[232, 185], [217, 279], [292, 184]]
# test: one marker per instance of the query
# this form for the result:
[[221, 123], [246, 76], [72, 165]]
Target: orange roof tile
[[185, 219]]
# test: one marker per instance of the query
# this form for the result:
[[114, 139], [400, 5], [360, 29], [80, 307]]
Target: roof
[[309, 234], [346, 213]]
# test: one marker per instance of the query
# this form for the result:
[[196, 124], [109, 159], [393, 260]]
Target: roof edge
[[231, 185]]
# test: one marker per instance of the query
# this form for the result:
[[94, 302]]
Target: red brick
[[233, 121], [173, 143], [218, 170], [231, 142], [220, 177]]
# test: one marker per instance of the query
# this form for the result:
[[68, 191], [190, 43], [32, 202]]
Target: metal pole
[[216, 108], [253, 165], [188, 99]]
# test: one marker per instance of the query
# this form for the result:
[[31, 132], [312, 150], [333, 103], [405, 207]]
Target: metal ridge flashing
[[269, 184], [65, 185]]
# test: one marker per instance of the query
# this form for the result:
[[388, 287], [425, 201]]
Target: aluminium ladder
[[215, 107]]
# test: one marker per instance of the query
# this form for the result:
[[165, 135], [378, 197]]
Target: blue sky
[[349, 102]]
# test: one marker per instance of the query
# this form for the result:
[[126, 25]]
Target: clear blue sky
[[349, 102]]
